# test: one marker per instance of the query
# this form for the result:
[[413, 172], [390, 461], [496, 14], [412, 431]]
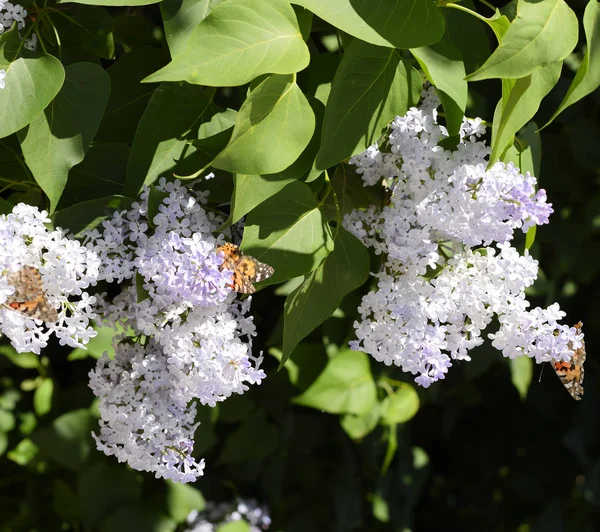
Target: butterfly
[[246, 269], [571, 373], [29, 297]]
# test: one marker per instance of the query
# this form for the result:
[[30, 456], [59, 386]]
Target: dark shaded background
[[476, 457]]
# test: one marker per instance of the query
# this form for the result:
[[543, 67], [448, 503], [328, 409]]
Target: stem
[[338, 212], [466, 10], [326, 195], [487, 4], [56, 35]]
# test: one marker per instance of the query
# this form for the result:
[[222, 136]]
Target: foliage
[[274, 97]]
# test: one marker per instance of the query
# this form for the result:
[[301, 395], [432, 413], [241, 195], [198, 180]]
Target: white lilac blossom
[[216, 514], [200, 337], [11, 13], [66, 268], [442, 281], [31, 42], [2, 78]]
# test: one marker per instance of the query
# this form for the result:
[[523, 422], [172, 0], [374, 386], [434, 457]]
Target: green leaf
[[181, 17], [100, 174], [401, 406], [115, 3], [32, 81], [391, 23], [346, 386], [381, 510], [28, 423], [254, 439], [129, 97], [444, 68], [499, 24], [234, 526], [96, 347], [289, 232], [24, 452], [238, 41], [526, 154], [526, 151], [156, 198], [272, 128], [88, 214], [371, 86], [543, 32], [80, 54], [316, 299], [521, 373], [182, 499], [7, 421], [5, 206], [469, 36], [522, 103], [320, 74], [57, 139], [68, 440], [21, 360], [12, 167], [306, 363], [252, 190], [213, 137], [357, 427], [140, 290], [86, 25], [530, 237], [587, 78], [172, 117], [42, 397], [351, 192]]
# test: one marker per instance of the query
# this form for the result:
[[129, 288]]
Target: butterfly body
[[29, 297], [571, 373], [246, 269]]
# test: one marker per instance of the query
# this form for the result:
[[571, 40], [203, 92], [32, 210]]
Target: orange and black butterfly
[[571, 373], [246, 269], [29, 297]]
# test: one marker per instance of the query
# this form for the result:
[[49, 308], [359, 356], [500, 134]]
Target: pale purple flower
[[437, 292]]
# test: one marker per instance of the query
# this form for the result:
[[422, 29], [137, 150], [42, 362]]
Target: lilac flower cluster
[[10, 14], [194, 338], [217, 514], [442, 281], [66, 268]]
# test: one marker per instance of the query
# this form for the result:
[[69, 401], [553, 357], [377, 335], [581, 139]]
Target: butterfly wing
[[250, 271], [571, 373], [245, 269], [29, 298]]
